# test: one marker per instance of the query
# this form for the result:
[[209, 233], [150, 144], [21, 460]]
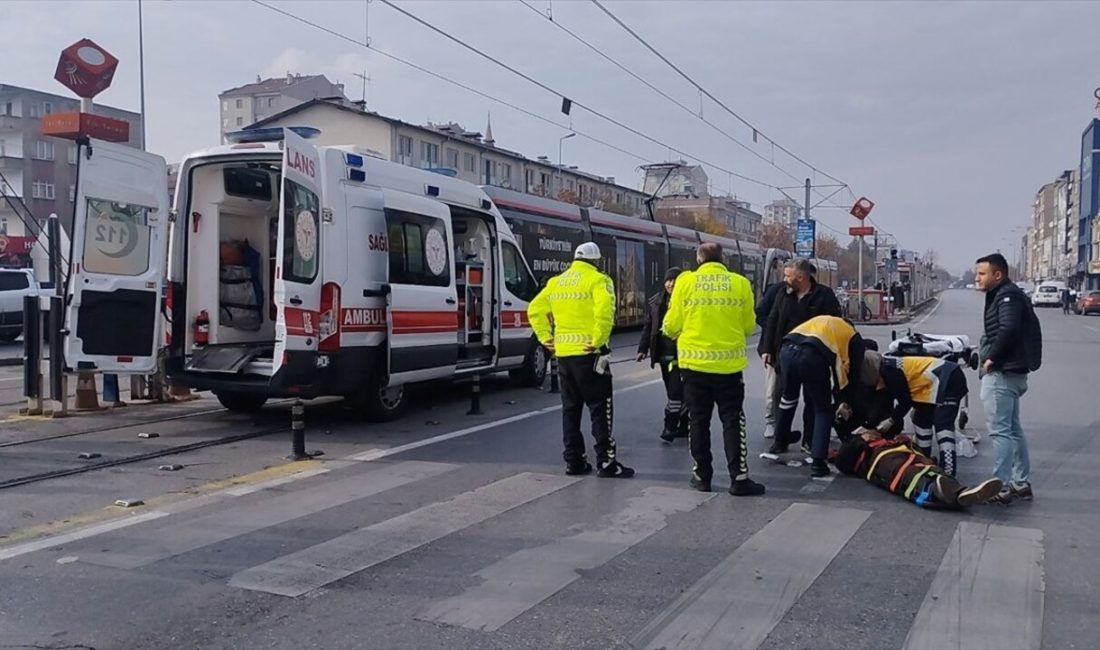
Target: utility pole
[[876, 258]]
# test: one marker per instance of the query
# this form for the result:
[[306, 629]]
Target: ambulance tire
[[377, 403], [241, 402], [533, 371]]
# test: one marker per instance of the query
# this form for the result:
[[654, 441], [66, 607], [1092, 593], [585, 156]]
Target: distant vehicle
[[970, 285], [1048, 294], [14, 285], [1088, 302]]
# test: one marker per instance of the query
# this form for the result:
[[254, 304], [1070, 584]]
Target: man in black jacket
[[1011, 347], [661, 350], [802, 299]]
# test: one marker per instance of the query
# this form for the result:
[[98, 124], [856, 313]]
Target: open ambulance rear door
[[298, 264], [117, 260]]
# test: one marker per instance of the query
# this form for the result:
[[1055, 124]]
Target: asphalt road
[[446, 530]]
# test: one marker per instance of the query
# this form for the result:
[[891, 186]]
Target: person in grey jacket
[[1010, 349]]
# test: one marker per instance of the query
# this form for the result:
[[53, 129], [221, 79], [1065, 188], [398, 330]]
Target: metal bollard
[[554, 386], [475, 396], [32, 355], [298, 431]]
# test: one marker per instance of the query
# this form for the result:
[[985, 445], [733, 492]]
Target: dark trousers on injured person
[[582, 386], [702, 391], [805, 369]]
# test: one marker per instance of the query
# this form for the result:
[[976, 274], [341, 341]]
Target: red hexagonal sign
[[86, 68]]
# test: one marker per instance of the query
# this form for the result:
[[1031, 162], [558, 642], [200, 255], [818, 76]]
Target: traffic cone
[[87, 398]]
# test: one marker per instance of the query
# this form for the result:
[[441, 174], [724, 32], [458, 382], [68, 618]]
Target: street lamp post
[[561, 176]]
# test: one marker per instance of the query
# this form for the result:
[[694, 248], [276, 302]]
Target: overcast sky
[[948, 115]]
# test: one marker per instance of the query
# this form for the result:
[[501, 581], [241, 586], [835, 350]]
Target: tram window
[[419, 252], [516, 276]]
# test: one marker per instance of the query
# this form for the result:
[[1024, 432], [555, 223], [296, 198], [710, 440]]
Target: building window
[[240, 121], [225, 105], [72, 193], [529, 178], [47, 108], [36, 109], [10, 109], [469, 162], [506, 175], [452, 158], [3, 226], [74, 152], [240, 103], [404, 149], [429, 154], [43, 150], [225, 124], [271, 101], [42, 190]]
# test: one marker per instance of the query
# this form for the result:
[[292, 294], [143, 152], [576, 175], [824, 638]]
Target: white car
[[1048, 294]]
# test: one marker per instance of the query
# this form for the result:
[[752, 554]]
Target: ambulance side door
[[518, 288], [117, 260], [423, 300]]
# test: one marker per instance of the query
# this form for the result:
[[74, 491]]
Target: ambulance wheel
[[241, 402], [533, 371], [380, 403]]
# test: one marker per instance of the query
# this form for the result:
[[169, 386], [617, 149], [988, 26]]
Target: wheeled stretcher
[[949, 347]]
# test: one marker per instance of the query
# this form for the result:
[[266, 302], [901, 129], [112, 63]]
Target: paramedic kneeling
[[580, 304], [710, 315], [825, 355]]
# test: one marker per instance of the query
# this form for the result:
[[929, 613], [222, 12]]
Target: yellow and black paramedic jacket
[[710, 316], [841, 345], [915, 380], [581, 305]]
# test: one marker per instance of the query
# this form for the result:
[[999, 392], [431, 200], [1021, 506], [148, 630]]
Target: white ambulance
[[294, 270]]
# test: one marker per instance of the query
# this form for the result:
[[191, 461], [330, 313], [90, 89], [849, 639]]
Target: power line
[[657, 90], [704, 91], [562, 95]]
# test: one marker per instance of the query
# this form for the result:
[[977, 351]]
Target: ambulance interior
[[233, 221], [474, 273]]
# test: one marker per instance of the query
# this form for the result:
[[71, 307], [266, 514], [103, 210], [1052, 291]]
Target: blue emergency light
[[353, 160], [270, 134]]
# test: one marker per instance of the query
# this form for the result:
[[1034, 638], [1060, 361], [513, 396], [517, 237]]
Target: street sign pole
[[859, 290]]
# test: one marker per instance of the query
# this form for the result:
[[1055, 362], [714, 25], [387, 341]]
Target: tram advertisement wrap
[[629, 282]]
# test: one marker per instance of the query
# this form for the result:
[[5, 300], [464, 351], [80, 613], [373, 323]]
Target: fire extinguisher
[[202, 329]]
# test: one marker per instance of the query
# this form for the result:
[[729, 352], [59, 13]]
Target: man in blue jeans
[[1011, 347]]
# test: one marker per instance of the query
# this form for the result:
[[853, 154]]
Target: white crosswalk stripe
[[522, 580], [988, 592], [340, 557]]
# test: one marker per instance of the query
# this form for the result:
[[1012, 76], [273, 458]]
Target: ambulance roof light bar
[[269, 134]]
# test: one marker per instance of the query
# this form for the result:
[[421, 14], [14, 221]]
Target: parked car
[[1088, 302], [14, 285], [1048, 294]]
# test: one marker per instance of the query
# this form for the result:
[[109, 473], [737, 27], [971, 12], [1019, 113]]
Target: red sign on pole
[[861, 231], [86, 68], [862, 209]]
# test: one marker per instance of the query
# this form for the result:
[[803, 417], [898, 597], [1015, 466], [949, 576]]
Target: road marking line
[[987, 593], [375, 454], [741, 600], [60, 540], [1090, 327], [939, 302], [524, 579], [818, 485], [147, 547], [348, 554]]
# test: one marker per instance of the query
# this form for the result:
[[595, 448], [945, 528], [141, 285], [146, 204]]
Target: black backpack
[[1032, 338]]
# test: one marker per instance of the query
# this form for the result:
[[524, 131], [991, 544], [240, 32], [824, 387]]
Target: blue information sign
[[804, 238]]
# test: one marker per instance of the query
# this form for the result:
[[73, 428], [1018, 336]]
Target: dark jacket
[[789, 312], [767, 301], [1012, 337], [653, 343]]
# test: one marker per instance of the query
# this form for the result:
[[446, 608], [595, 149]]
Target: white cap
[[587, 251]]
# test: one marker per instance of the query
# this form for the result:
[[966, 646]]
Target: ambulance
[[293, 270]]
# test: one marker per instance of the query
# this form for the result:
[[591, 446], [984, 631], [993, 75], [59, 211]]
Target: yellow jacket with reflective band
[[837, 340], [710, 314], [924, 384], [576, 309]]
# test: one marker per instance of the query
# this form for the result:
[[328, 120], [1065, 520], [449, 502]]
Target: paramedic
[[824, 355], [662, 350], [802, 299], [710, 316], [933, 389], [581, 304]]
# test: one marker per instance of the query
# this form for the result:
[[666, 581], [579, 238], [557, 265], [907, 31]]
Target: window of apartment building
[[43, 150], [429, 153], [11, 109], [74, 152], [570, 184], [491, 172], [225, 105], [544, 181], [47, 108], [3, 226], [452, 158], [72, 193], [42, 190], [240, 103], [506, 174], [404, 149], [240, 121], [469, 162], [529, 179], [271, 101]]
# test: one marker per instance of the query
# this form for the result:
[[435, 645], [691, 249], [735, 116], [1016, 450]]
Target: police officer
[[710, 316], [662, 351], [824, 355], [580, 303]]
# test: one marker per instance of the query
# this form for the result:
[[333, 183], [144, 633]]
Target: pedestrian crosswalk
[[987, 592]]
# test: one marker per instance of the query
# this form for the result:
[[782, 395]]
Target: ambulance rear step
[[232, 360]]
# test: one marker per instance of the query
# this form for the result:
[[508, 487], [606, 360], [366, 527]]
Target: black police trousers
[[582, 386], [702, 391]]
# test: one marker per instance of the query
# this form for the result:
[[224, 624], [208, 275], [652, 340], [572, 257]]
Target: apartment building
[[257, 101]]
